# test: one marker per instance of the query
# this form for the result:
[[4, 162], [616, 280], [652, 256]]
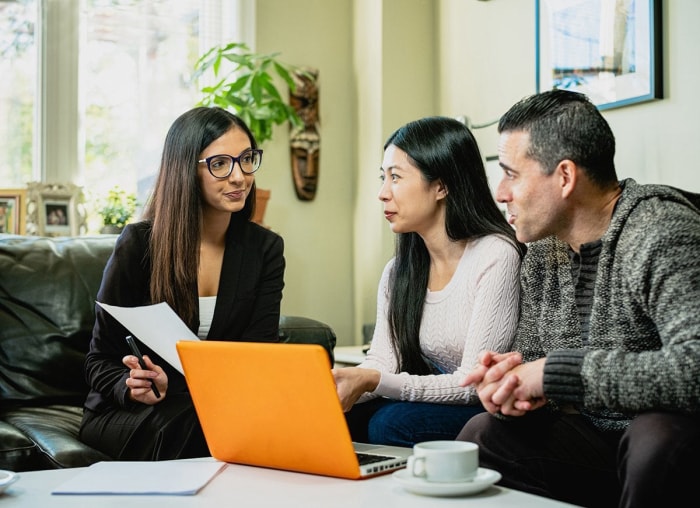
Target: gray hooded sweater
[[643, 350]]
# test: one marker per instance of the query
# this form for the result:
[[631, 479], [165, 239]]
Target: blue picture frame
[[611, 51]]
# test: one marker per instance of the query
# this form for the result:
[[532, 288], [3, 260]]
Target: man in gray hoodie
[[599, 403]]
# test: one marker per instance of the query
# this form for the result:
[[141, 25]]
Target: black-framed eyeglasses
[[221, 166]]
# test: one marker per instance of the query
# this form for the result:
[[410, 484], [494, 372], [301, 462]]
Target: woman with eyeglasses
[[198, 250]]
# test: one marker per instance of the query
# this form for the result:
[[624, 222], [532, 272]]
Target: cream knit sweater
[[475, 311]]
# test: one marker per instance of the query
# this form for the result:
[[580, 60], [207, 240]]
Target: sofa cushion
[[54, 432]]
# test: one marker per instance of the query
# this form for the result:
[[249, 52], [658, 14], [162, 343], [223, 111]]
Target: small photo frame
[[13, 204], [55, 209], [610, 51]]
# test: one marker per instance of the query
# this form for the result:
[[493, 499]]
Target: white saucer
[[483, 480], [6, 479]]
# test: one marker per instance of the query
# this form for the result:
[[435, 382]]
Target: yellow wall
[[385, 62], [317, 234]]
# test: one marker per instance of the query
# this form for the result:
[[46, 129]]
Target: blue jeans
[[400, 423]]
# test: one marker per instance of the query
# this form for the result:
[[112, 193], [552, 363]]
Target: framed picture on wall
[[13, 211], [55, 209], [609, 50]]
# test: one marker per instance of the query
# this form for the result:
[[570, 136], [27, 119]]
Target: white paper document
[[156, 325], [167, 477]]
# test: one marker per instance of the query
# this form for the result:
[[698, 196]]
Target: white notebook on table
[[166, 477]]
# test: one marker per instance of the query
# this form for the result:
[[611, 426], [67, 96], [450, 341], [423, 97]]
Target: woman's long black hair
[[442, 149]]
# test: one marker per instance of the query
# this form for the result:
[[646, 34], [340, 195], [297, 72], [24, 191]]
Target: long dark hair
[[442, 149], [175, 208]]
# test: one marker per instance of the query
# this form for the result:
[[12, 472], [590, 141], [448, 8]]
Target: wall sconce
[[467, 121]]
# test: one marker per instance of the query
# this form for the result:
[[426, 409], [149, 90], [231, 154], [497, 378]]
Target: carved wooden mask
[[304, 141]]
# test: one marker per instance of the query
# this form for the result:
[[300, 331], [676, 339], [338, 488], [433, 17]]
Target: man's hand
[[488, 376], [491, 367], [507, 385], [521, 390]]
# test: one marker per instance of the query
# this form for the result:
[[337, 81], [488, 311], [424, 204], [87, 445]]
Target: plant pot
[[261, 198], [111, 230]]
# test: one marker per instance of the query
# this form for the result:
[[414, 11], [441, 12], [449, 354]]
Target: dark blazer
[[247, 305]]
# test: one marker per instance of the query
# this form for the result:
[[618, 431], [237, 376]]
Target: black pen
[[137, 354]]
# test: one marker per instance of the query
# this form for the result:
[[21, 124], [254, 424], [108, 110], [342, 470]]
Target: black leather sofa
[[47, 297]]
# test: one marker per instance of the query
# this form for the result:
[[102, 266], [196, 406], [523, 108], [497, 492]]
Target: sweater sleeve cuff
[[562, 376], [390, 385]]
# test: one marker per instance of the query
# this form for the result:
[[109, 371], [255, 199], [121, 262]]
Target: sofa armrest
[[301, 330]]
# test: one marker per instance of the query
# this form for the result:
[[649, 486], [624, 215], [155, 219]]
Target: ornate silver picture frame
[[55, 209]]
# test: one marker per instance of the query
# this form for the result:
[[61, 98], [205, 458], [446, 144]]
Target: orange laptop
[[275, 405]]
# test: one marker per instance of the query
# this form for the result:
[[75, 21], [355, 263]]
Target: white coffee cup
[[444, 461]]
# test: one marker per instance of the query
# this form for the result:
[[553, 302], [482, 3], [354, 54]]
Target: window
[[116, 73], [18, 90]]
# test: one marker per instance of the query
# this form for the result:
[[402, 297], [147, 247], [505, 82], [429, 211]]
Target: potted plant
[[116, 209], [246, 86]]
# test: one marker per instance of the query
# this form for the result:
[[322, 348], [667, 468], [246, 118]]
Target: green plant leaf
[[248, 88], [284, 73], [239, 84], [241, 60], [271, 90], [256, 89], [117, 207]]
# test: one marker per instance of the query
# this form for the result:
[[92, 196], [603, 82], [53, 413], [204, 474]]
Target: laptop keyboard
[[370, 458]]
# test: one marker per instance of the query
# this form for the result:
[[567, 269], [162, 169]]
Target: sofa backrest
[[48, 288]]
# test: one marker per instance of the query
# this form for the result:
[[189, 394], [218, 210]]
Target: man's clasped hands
[[506, 385]]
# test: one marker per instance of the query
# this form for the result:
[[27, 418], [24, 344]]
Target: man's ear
[[567, 172]]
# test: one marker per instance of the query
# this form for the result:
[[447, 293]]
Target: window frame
[[58, 139]]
